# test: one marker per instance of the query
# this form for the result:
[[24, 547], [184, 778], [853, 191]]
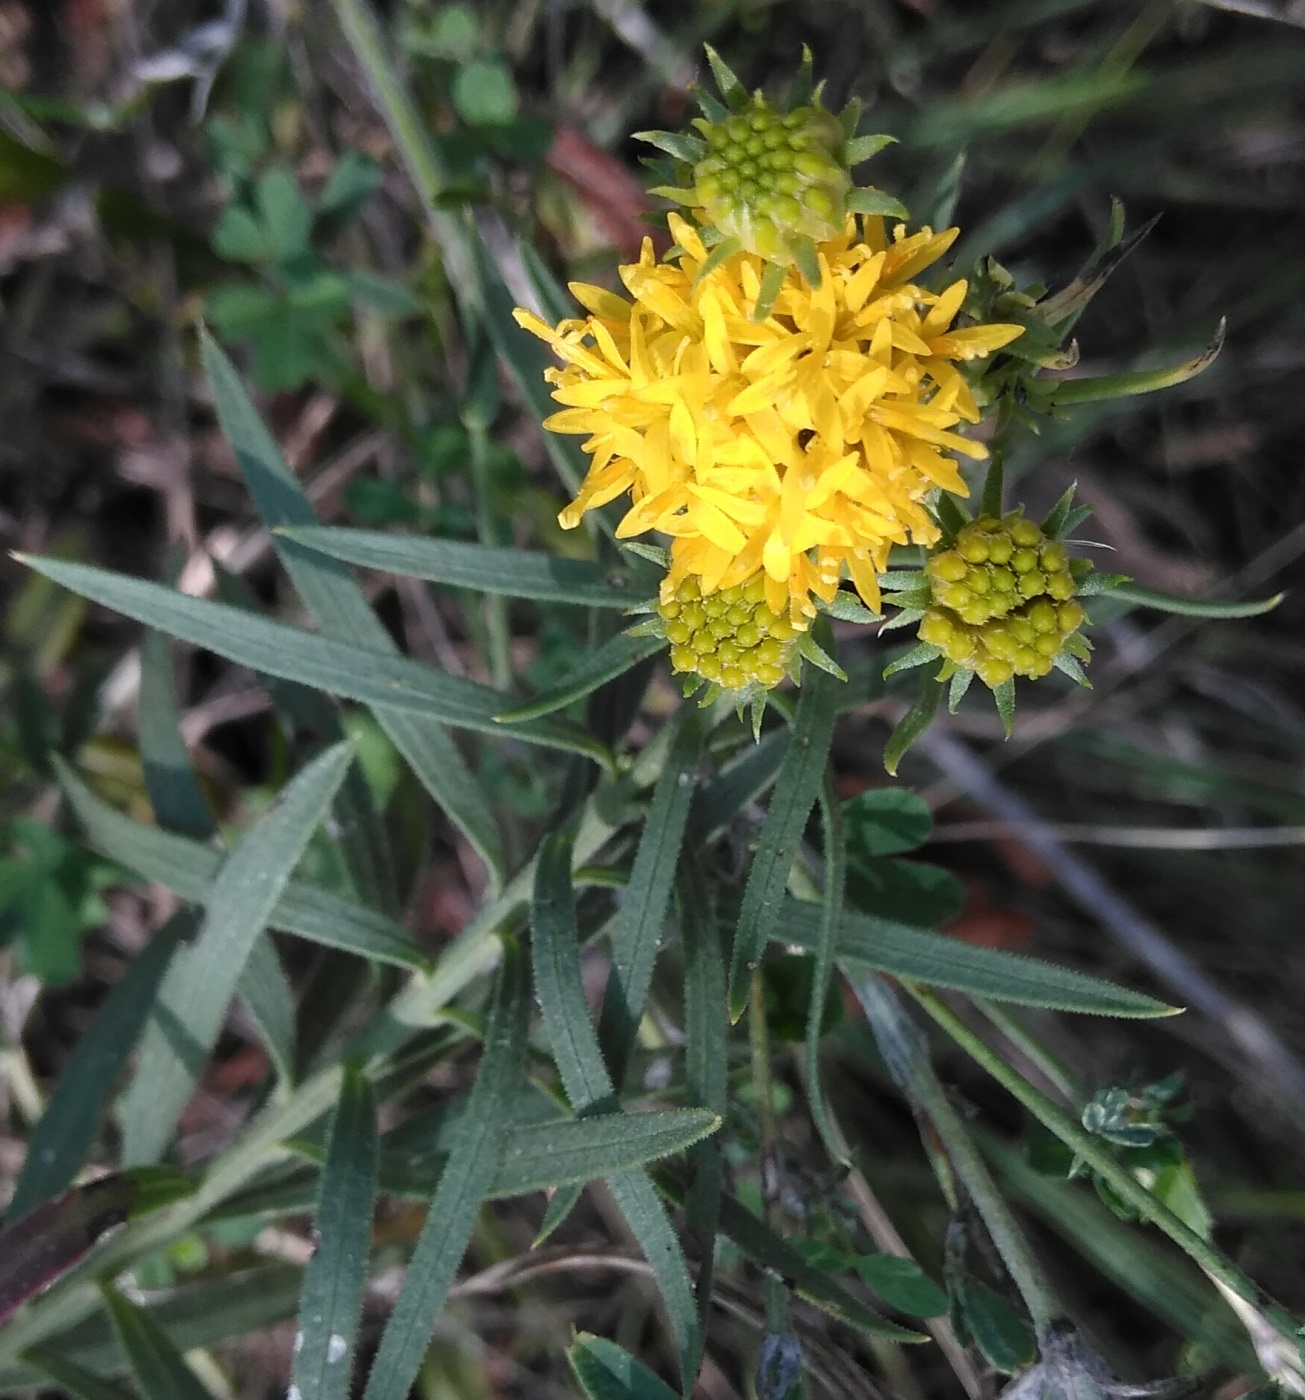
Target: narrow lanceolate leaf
[[179, 804], [462, 1190], [193, 1315], [68, 1126], [357, 673], [790, 806], [202, 979], [174, 790], [364, 842], [156, 1365], [1118, 386], [265, 990], [743, 780], [831, 915], [574, 1044], [913, 723], [615, 657], [189, 869], [515, 573], [577, 1150], [72, 1379], [865, 942], [706, 1062], [771, 1252], [607, 1371], [1192, 607], [338, 603], [337, 1273], [558, 985], [647, 896]]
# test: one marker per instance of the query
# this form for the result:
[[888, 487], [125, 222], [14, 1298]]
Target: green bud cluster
[[771, 176], [729, 637], [1003, 600]]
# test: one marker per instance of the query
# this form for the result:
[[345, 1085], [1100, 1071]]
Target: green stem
[[1094, 1153], [906, 1054], [425, 169], [759, 1043], [496, 605], [1019, 1035]]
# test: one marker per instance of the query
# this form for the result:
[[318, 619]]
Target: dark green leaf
[[769, 1251], [647, 896], [338, 603], [286, 217], [193, 1315], [615, 657], [240, 237], [375, 677], [75, 1380], [777, 848], [905, 891], [831, 914], [337, 1273], [884, 821], [189, 868], [902, 1284], [62, 1138], [156, 1364], [938, 961], [576, 1150], [608, 1372], [1001, 1334], [574, 1044], [462, 1190], [202, 979], [242, 310], [913, 723], [517, 573], [354, 180]]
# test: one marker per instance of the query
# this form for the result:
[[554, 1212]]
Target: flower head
[[1003, 601], [770, 176], [770, 179], [799, 448]]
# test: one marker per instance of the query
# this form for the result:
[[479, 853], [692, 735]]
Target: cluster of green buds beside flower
[[998, 597], [1002, 601], [770, 180], [728, 641], [729, 637]]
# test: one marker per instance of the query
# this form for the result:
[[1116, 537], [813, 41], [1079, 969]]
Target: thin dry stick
[[1282, 1074], [1153, 838]]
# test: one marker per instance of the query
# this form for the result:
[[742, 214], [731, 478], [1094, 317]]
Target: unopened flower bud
[[1003, 600]]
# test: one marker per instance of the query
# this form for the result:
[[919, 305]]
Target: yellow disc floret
[[1003, 600]]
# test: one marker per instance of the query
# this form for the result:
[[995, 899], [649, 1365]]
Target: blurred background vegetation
[[164, 162]]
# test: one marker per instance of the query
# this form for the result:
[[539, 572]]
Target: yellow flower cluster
[[801, 447]]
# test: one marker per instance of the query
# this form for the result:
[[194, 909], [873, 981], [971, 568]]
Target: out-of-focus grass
[[1037, 115]]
